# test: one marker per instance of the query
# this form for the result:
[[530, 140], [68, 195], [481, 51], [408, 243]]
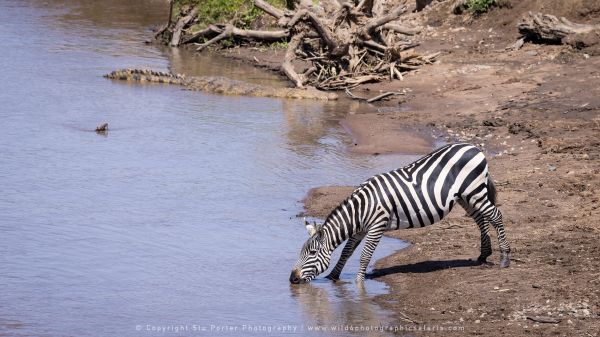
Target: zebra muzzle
[[295, 277]]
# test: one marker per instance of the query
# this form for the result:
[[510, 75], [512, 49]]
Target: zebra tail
[[492, 193]]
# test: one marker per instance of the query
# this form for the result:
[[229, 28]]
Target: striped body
[[417, 195]]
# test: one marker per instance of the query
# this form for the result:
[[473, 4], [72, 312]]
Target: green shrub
[[480, 6], [242, 12]]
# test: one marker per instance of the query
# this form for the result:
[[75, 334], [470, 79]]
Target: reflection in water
[[309, 122], [111, 14], [336, 307], [191, 63], [344, 304]]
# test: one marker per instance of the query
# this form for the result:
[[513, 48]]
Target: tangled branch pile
[[345, 44]]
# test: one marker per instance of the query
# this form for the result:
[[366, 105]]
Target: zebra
[[417, 195]]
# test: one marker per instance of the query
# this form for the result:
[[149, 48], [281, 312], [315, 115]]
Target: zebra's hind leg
[[486, 245], [490, 214], [495, 219], [372, 240], [349, 248]]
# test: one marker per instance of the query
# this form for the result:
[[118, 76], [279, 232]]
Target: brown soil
[[536, 112]]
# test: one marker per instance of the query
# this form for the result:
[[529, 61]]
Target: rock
[[551, 168], [493, 122]]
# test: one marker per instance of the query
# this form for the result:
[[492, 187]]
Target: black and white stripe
[[417, 195]]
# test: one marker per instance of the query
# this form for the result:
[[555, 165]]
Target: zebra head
[[314, 256]]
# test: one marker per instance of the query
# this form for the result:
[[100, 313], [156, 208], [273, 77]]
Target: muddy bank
[[539, 120], [536, 113]]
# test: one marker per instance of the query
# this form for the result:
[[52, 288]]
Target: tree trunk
[[545, 27]]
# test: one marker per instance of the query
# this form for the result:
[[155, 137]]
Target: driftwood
[[208, 31], [382, 96], [545, 27], [372, 99], [344, 44], [289, 57], [544, 319], [227, 31], [181, 23]]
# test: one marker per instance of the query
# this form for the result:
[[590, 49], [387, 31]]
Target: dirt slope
[[536, 112]]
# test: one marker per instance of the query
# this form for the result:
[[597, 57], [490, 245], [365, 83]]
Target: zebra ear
[[312, 229]]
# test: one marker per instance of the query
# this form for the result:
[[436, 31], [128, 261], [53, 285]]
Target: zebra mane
[[345, 202]]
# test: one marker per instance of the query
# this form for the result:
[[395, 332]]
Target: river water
[[183, 216]]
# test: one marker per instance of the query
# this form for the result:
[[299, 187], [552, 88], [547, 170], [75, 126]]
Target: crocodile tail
[[145, 75]]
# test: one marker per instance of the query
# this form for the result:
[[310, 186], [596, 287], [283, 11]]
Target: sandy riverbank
[[536, 112]]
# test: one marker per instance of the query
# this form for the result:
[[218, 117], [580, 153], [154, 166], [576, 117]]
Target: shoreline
[[538, 121], [536, 114], [547, 171]]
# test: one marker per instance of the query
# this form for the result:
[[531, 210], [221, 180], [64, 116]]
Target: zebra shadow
[[423, 267]]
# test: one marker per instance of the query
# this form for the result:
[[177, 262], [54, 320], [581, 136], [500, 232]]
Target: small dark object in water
[[102, 128]]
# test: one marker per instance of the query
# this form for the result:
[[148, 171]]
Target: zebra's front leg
[[496, 220], [349, 248], [372, 240]]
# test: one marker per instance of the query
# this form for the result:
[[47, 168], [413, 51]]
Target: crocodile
[[218, 84]]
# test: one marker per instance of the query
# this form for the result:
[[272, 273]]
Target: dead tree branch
[[290, 55], [265, 6], [400, 29], [181, 23], [393, 15], [231, 31], [344, 44]]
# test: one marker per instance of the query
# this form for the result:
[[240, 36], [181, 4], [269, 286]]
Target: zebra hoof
[[505, 262], [483, 260]]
